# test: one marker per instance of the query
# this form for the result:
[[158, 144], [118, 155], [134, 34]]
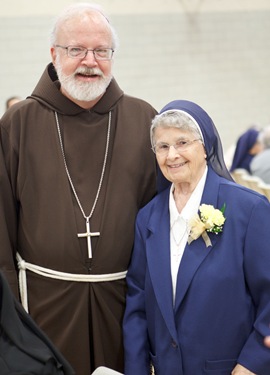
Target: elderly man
[[75, 167]]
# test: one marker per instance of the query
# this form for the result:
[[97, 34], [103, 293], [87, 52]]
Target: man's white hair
[[76, 10]]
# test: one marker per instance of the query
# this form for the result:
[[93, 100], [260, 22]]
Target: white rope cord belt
[[47, 272]]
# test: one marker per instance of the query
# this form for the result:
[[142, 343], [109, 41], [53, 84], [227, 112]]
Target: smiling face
[[83, 80], [183, 166]]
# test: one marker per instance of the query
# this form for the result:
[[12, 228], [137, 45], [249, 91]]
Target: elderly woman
[[198, 297]]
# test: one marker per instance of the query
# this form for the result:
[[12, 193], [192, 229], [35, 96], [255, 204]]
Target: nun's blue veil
[[210, 134], [242, 158]]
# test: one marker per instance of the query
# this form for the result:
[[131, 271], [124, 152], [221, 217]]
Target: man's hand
[[240, 370]]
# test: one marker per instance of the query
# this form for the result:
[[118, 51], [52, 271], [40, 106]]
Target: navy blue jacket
[[222, 305]]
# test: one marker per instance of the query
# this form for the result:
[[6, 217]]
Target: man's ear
[[53, 54]]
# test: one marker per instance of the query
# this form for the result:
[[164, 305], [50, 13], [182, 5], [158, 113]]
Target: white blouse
[[179, 226]]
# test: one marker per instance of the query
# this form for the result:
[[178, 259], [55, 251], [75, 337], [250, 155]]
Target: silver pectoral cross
[[88, 235]]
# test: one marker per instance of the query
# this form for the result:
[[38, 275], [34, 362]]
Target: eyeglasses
[[80, 52], [163, 148]]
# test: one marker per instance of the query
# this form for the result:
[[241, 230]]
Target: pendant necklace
[[88, 234], [179, 232]]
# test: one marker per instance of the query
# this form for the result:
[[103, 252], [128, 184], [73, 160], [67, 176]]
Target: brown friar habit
[[40, 217]]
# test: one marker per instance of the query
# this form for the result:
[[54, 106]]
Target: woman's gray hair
[[80, 9], [175, 119]]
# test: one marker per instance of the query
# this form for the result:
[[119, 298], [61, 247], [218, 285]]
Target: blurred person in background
[[260, 164], [75, 167], [24, 348], [247, 147], [12, 100]]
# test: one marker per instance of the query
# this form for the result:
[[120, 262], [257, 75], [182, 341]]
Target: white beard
[[83, 91]]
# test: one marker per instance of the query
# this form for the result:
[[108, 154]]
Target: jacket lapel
[[158, 257], [196, 252]]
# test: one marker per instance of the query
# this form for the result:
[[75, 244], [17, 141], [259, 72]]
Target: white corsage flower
[[210, 220]]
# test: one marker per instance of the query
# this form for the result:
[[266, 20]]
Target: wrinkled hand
[[267, 341], [240, 370]]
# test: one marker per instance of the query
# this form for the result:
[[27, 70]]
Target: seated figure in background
[[247, 147], [260, 164]]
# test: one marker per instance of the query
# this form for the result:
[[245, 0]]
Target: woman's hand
[[240, 370], [267, 341]]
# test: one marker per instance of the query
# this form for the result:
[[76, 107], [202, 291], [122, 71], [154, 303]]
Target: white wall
[[214, 52], [51, 7]]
